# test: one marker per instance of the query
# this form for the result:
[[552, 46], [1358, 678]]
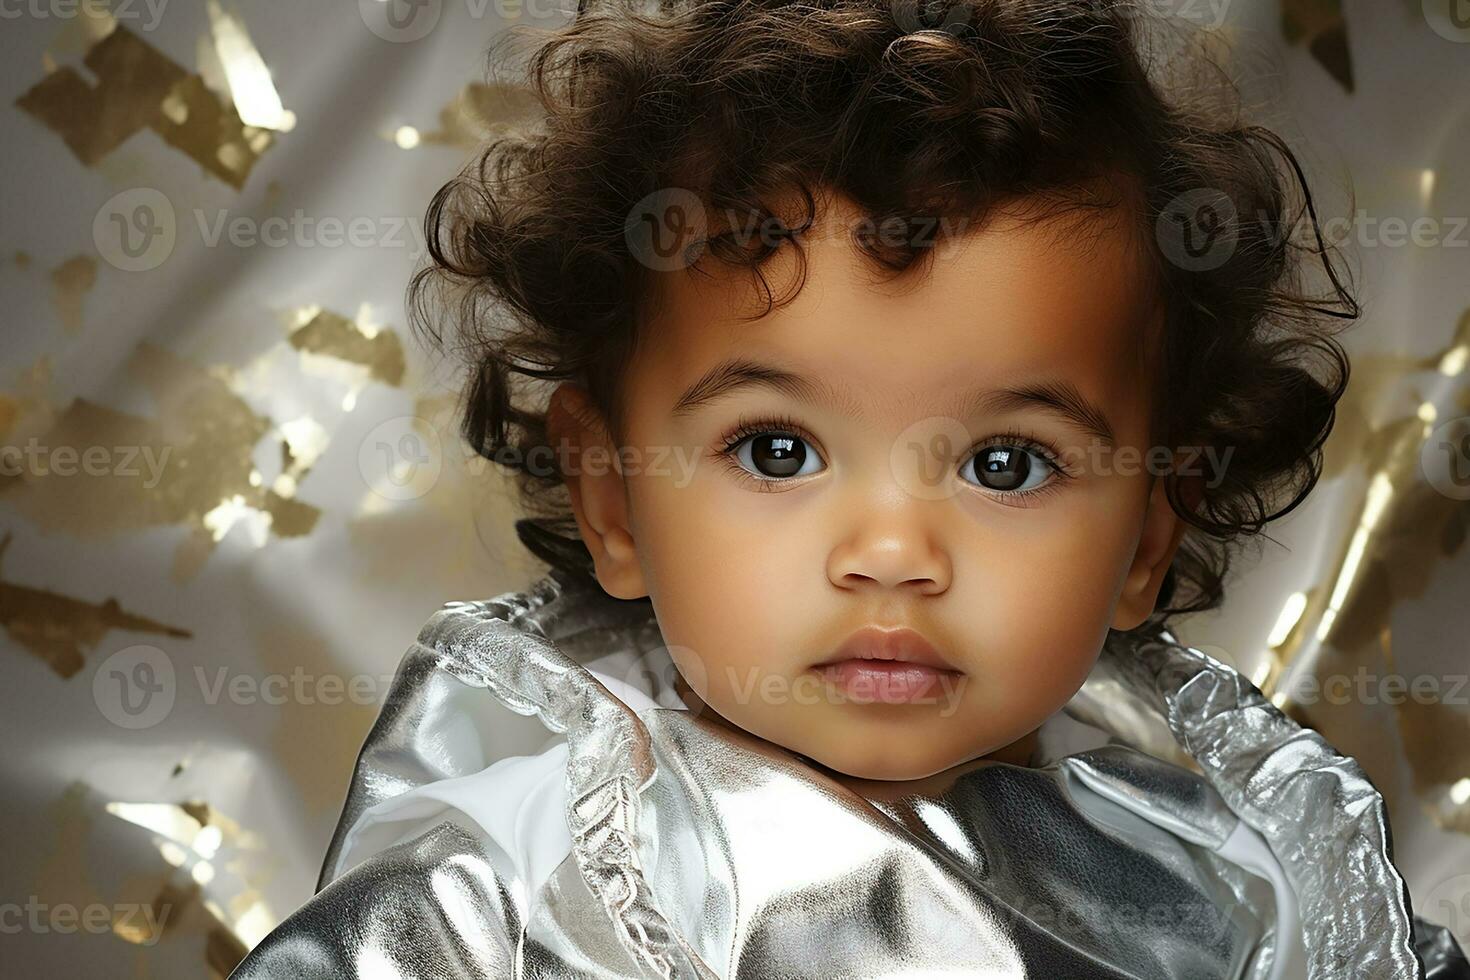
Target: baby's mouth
[[888, 666], [898, 646], [887, 681]]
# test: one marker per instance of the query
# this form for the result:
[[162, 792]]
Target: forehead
[[1010, 300]]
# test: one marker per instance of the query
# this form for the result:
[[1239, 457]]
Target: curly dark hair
[[908, 110]]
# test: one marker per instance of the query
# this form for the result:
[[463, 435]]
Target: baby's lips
[[901, 644], [886, 681]]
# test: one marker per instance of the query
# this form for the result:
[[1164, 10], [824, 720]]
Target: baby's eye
[[1007, 469], [776, 455]]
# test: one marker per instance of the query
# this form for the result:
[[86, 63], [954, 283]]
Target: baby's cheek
[[1033, 683], [728, 568], [1046, 622], [698, 529], [1075, 566]]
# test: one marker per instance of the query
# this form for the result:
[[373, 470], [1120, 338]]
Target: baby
[[893, 362], [957, 347]]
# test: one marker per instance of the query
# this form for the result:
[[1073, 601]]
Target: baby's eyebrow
[[1060, 397], [729, 376]]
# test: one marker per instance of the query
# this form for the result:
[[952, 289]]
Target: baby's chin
[[888, 772], [890, 745], [856, 759], [865, 756]]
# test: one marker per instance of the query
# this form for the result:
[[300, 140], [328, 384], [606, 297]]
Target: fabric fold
[[700, 852]]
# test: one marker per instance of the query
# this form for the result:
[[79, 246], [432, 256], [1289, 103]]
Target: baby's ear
[[583, 449], [1157, 541]]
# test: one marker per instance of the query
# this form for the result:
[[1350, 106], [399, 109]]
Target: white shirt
[[518, 802]]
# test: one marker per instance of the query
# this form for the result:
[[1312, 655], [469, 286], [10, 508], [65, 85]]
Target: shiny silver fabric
[[700, 853]]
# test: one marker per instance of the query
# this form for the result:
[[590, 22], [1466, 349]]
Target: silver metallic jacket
[[698, 853]]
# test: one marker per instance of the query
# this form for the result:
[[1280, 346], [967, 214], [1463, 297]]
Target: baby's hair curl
[[911, 111]]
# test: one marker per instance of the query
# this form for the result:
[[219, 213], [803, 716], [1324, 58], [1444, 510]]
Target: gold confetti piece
[[254, 94], [290, 518], [223, 952], [194, 837], [161, 917], [70, 283], [1405, 529], [193, 824], [324, 332], [205, 884], [60, 629], [1322, 25], [1353, 436], [191, 465], [302, 444], [1451, 362], [1437, 744], [23, 260], [24, 410], [479, 112], [92, 23], [1400, 540], [139, 88]]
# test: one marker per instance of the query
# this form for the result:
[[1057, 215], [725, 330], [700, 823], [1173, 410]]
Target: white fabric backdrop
[[194, 647]]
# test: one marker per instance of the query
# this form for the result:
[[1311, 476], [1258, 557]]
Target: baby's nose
[[890, 558]]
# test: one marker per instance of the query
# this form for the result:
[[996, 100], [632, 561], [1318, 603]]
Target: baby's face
[[853, 459]]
